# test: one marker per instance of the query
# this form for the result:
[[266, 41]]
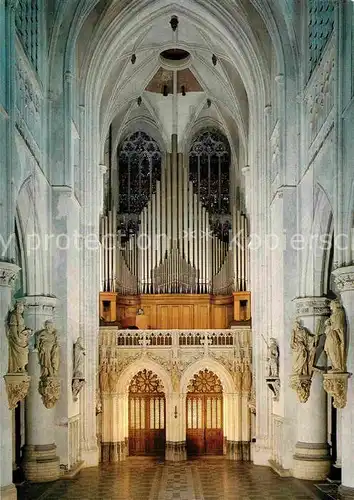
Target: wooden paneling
[[179, 311], [204, 415]]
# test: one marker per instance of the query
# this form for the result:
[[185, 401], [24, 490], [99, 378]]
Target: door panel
[[147, 434], [204, 416]]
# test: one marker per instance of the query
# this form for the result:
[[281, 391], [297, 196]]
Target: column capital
[[8, 273], [344, 279], [312, 306]]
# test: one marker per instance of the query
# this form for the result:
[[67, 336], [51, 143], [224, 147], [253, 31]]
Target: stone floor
[[145, 479]]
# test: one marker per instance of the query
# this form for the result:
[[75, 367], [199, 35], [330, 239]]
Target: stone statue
[[79, 353], [18, 338], [175, 374], [237, 376], [247, 378], [335, 337], [113, 375], [48, 350], [273, 359], [104, 376], [303, 345]]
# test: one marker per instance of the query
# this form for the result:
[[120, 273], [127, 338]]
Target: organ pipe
[[173, 250]]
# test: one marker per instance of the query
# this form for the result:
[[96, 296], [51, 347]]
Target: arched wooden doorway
[[205, 415], [147, 434]]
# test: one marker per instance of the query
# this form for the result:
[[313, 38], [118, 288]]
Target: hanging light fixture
[[139, 99], [183, 90], [133, 58], [214, 59]]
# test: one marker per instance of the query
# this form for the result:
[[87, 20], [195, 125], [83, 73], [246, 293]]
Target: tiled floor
[[144, 479]]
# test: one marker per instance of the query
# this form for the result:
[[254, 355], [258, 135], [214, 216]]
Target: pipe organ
[[174, 247]]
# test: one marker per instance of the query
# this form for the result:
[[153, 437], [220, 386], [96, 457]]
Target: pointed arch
[[211, 365], [315, 279]]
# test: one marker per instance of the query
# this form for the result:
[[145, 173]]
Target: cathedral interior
[[177, 249]]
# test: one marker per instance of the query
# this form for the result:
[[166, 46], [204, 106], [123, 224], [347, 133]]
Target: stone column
[[8, 274], [176, 449], [312, 460], [344, 281], [40, 464]]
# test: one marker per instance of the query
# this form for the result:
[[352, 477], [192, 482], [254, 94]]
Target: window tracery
[[27, 24], [205, 381], [146, 382], [209, 172], [139, 169], [320, 27]]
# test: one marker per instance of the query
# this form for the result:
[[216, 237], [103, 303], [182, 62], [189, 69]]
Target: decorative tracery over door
[[205, 415], [147, 435]]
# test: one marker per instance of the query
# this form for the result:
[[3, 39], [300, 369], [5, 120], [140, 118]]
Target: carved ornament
[[8, 273], [344, 278], [301, 385], [49, 388], [336, 385], [17, 385], [76, 386]]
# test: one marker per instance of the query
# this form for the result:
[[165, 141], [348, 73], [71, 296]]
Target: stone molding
[[312, 461], [344, 279], [41, 465], [8, 273], [312, 306], [42, 304]]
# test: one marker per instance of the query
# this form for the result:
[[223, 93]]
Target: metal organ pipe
[[174, 239]]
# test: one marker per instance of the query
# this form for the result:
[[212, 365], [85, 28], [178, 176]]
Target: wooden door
[[147, 435], [205, 415]]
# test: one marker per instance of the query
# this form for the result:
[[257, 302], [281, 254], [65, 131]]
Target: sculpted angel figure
[[335, 337], [79, 353], [18, 338], [48, 350], [302, 345]]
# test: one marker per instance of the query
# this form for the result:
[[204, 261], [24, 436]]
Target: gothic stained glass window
[[209, 172], [139, 169], [320, 27]]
